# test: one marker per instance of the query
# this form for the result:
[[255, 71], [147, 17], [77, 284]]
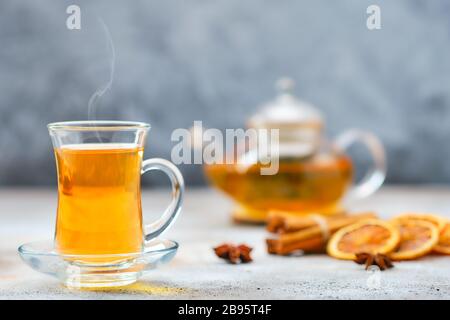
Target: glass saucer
[[92, 271]]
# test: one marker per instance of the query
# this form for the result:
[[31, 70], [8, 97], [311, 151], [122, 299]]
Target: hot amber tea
[[312, 184], [99, 200]]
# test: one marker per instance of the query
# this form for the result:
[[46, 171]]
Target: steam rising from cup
[[94, 99]]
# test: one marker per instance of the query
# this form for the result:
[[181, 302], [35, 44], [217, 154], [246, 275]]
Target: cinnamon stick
[[283, 221], [274, 246], [280, 222], [311, 238]]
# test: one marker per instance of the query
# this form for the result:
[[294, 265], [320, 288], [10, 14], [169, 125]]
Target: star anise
[[380, 260], [234, 254]]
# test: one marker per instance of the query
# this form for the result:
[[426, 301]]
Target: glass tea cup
[[99, 167]]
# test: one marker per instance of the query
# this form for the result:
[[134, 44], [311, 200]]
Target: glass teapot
[[313, 175]]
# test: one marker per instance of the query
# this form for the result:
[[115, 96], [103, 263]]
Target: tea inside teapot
[[313, 183]]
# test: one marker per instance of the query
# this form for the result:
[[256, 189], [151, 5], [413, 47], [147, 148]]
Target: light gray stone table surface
[[195, 273]]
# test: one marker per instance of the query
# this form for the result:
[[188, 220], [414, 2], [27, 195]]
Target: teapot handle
[[375, 176]]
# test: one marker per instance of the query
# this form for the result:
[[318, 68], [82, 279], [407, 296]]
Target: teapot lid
[[286, 111]]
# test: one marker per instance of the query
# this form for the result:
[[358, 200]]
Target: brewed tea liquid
[[301, 185], [99, 201]]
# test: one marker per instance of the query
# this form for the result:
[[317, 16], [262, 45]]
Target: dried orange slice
[[443, 245], [417, 238], [371, 236], [439, 222]]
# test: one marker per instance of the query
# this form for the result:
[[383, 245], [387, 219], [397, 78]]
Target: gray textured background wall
[[179, 61]]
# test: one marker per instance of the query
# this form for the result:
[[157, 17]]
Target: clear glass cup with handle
[[99, 216]]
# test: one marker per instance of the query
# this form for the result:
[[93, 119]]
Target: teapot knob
[[285, 85]]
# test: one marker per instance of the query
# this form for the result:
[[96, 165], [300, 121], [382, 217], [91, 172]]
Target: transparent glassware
[[315, 173], [100, 237], [43, 257]]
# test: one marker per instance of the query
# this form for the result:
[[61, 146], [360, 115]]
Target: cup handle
[[173, 210], [375, 176]]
